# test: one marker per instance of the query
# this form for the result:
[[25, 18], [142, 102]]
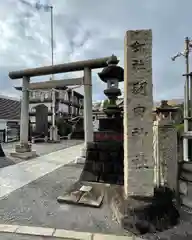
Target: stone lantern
[[112, 75], [165, 111]]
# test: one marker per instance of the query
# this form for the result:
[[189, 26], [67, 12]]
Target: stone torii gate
[[24, 148]]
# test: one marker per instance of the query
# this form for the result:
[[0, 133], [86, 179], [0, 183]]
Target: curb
[[60, 233]]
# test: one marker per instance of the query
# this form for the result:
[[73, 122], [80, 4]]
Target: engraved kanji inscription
[[137, 131], [140, 161], [136, 46], [139, 111], [139, 88], [138, 64]]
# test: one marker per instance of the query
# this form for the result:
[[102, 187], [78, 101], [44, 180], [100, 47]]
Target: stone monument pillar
[[165, 148], [138, 103], [146, 206]]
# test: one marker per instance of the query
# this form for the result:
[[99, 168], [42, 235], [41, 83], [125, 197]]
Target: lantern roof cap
[[165, 107], [112, 72]]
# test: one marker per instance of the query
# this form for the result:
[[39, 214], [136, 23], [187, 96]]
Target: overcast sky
[[85, 29]]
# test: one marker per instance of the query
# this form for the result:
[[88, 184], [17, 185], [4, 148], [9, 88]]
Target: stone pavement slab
[[16, 176]]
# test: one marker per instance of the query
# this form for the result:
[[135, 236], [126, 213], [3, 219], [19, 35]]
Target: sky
[[85, 29]]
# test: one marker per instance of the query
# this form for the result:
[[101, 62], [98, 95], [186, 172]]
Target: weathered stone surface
[[165, 154], [139, 180], [138, 103]]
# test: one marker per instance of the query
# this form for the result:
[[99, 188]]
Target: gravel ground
[[4, 162], [35, 204]]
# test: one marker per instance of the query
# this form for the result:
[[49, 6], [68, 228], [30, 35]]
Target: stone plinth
[[111, 124], [23, 151], [138, 103], [81, 159], [104, 163], [22, 148]]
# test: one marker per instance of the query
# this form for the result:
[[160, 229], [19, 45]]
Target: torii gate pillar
[[88, 115]]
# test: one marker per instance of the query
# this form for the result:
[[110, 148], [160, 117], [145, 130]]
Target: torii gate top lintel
[[62, 68]]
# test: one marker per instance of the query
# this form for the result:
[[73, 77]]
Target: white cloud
[[86, 29]]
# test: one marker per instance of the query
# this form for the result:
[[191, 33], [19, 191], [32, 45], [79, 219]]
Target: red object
[[108, 136]]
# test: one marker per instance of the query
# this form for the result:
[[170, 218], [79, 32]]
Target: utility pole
[[186, 102], [48, 8], [52, 40], [187, 94]]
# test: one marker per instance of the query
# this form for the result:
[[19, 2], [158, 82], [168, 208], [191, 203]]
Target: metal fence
[[11, 135]]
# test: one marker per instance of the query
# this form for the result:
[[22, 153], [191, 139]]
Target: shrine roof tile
[[9, 109]]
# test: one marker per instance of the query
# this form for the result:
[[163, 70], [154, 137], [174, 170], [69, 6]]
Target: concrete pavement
[[40, 148], [16, 176]]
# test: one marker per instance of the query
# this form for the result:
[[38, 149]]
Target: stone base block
[[80, 160], [83, 152], [54, 134], [23, 148], [141, 215], [24, 155]]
